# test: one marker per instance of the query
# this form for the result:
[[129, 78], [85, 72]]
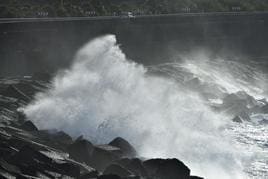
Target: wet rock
[[68, 169], [233, 104], [62, 137], [166, 168], [14, 92], [6, 175], [132, 177], [93, 174], [109, 177], [263, 122], [81, 137], [29, 126], [28, 155], [195, 177], [81, 150], [21, 116], [104, 155], [249, 100], [56, 139], [19, 143], [134, 165], [126, 148], [237, 119], [194, 83], [31, 162], [117, 170], [6, 149], [9, 167], [264, 109]]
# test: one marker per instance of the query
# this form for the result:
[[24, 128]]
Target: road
[[17, 20]]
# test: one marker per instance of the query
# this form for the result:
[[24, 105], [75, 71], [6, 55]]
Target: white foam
[[104, 95]]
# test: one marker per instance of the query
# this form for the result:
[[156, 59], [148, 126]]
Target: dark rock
[[6, 175], [234, 104], [239, 98], [249, 100], [127, 149], [5, 148], [237, 119], [166, 168], [81, 137], [244, 115], [93, 174], [263, 122], [132, 177], [81, 150], [28, 126], [103, 156], [19, 143], [264, 109], [59, 140], [194, 83], [14, 92], [31, 162], [21, 116], [109, 177], [9, 167], [135, 166], [62, 137], [117, 170], [28, 155], [68, 169], [195, 177]]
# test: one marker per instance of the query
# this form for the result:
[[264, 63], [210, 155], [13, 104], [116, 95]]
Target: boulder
[[237, 119], [28, 126], [81, 137], [166, 168], [81, 150], [62, 137], [132, 177], [28, 155], [93, 174], [5, 148], [134, 165], [117, 170], [126, 148], [195, 177], [104, 155], [109, 177], [31, 162], [13, 91], [68, 169], [264, 109], [56, 139], [263, 122], [9, 167]]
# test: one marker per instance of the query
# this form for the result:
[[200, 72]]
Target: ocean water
[[182, 109]]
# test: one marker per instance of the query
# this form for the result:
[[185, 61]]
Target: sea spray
[[104, 95]]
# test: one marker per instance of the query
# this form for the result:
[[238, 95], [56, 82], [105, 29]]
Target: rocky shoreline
[[27, 152]]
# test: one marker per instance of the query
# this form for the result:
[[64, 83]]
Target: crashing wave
[[104, 95]]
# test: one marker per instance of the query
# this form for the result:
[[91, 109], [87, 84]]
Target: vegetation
[[66, 8]]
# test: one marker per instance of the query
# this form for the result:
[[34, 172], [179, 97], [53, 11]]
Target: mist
[[104, 95]]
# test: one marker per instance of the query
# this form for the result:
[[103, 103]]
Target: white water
[[104, 95]]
